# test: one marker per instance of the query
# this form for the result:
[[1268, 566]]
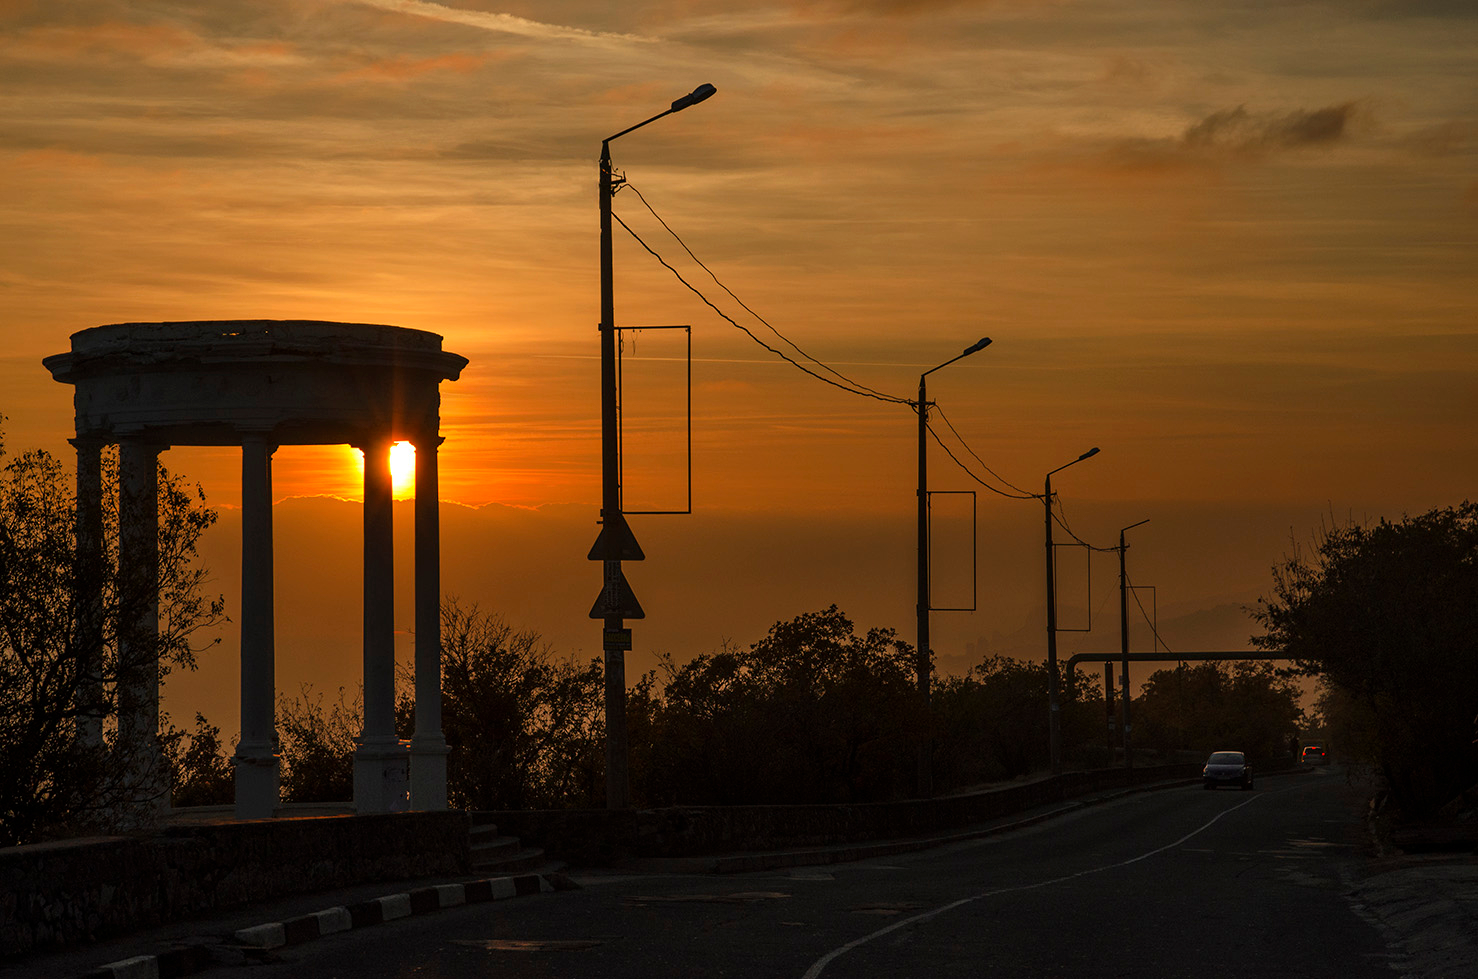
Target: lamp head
[[694, 97], [980, 344], [1090, 453]]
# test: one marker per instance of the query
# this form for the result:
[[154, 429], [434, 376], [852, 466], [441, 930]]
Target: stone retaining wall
[[599, 836], [58, 894]]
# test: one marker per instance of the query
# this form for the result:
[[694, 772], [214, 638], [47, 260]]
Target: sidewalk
[[1428, 907]]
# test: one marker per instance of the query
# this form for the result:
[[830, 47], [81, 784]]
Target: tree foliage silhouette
[[53, 782], [1214, 706], [813, 712], [1388, 615]]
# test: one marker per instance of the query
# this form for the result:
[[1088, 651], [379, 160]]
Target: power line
[[967, 472], [849, 387], [790, 343], [1153, 631], [848, 384], [1025, 495], [1059, 517]]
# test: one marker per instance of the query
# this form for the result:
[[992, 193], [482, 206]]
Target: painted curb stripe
[[271, 935], [424, 899], [190, 959], [333, 920], [394, 906], [303, 929]]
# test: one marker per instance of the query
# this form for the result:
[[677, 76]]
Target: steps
[[503, 855]]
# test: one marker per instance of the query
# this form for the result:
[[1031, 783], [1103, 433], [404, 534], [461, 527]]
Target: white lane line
[[820, 964]]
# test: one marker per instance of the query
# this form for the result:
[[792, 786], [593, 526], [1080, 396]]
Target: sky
[[1231, 244]]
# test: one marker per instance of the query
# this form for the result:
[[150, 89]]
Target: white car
[[1227, 768]]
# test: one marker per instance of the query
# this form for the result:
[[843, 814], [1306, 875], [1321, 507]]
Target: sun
[[403, 469]]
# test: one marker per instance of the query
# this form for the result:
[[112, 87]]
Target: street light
[[1124, 638], [616, 543], [926, 776], [1054, 727]]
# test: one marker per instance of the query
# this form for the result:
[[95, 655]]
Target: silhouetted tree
[[1213, 706], [991, 723], [1388, 615], [317, 746], [813, 712], [526, 730], [53, 783], [201, 773]]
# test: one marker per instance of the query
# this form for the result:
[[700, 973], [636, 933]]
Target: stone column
[[138, 627], [256, 757], [380, 762], [87, 637], [428, 745]]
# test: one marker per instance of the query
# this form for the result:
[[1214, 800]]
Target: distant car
[[1227, 768], [1314, 755]]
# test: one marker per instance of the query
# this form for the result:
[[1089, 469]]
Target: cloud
[[892, 8], [1238, 129], [403, 67], [501, 23]]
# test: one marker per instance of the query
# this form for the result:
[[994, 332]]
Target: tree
[[53, 782], [991, 723], [526, 730], [1388, 615], [200, 772], [813, 712], [1212, 706], [317, 746]]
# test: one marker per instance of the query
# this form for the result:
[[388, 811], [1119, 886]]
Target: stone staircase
[[499, 856]]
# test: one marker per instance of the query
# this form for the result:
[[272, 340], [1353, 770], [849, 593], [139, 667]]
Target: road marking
[[529, 945], [741, 897], [820, 964]]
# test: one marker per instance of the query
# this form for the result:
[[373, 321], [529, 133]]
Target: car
[[1313, 754], [1227, 768]]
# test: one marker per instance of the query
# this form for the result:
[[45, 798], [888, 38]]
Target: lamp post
[[923, 659], [1124, 638], [1054, 710], [616, 542]]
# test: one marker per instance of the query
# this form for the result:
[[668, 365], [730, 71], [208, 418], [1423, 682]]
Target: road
[[1173, 883]]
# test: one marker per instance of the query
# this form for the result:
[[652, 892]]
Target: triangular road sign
[[617, 598], [615, 530]]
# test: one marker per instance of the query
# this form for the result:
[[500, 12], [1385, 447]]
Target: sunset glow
[[1232, 244], [403, 470]]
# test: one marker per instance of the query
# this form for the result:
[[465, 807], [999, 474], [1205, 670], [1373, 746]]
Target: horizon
[[1239, 261]]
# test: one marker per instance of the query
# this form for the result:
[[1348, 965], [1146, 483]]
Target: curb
[[256, 941]]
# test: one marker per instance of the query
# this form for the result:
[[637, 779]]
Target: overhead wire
[[788, 342], [842, 381], [1059, 517], [849, 387], [1024, 494], [966, 469], [1146, 616]]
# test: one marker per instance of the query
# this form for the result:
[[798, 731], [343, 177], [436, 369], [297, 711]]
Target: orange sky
[[1234, 245]]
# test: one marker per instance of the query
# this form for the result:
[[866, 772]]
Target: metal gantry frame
[[974, 552], [1089, 577], [620, 423]]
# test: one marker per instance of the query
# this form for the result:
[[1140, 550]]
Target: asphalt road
[[1174, 883]]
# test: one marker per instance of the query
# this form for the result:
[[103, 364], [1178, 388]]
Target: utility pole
[[923, 666], [924, 662], [1124, 640], [1054, 709], [616, 542]]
